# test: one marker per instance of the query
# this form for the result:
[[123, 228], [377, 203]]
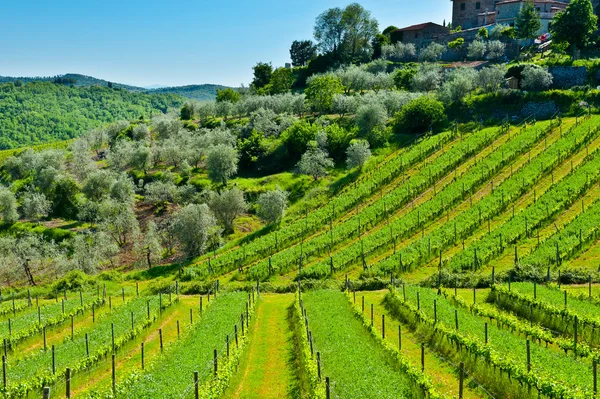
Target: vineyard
[[465, 265]]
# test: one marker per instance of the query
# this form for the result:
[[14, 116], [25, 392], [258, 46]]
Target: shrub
[[420, 115], [476, 50], [536, 78], [428, 78], [432, 53], [456, 44], [369, 116]]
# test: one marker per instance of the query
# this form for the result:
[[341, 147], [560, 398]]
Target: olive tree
[[428, 77], [314, 162], [35, 206], [92, 251], [491, 79], [192, 227], [357, 154], [227, 206], [221, 162], [536, 78], [272, 205], [149, 248], [8, 206], [98, 184], [432, 53], [369, 116], [118, 220]]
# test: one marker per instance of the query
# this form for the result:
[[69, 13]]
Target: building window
[[463, 6], [477, 5]]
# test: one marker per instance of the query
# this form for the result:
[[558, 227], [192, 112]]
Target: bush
[[420, 115], [456, 44], [370, 116], [536, 78]]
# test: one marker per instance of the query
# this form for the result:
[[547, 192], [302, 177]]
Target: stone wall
[[568, 76]]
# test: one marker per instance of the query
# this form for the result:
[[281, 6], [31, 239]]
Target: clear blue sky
[[171, 42]]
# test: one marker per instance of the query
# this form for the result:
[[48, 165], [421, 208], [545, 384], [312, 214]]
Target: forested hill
[[73, 79], [205, 92], [40, 112]]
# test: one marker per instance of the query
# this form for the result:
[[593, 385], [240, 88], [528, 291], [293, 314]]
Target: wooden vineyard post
[[534, 290], [4, 370], [72, 327], [418, 301], [137, 289], [44, 334], [215, 361], [371, 315], [112, 331], [178, 331], [595, 376], [114, 376], [160, 338], [191, 317], [200, 304], [319, 365], [46, 393], [461, 372], [227, 343], [456, 319], [528, 356], [422, 357], [486, 333], [565, 299], [148, 309], [235, 332], [196, 394], [327, 389], [474, 296], [110, 303], [87, 345], [363, 304], [93, 313], [399, 337], [68, 383], [590, 287], [133, 322], [53, 361], [143, 365], [435, 311], [383, 326], [123, 293]]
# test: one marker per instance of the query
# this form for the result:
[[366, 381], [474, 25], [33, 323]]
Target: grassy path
[[443, 374], [263, 371]]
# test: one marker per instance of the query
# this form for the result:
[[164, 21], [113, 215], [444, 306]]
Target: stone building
[[420, 35], [476, 13], [465, 13]]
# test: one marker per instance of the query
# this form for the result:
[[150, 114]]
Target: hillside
[[39, 112], [205, 92], [202, 92], [74, 79]]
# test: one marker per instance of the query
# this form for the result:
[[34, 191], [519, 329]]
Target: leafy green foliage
[[527, 22], [70, 110], [173, 373], [419, 116], [575, 25], [347, 349]]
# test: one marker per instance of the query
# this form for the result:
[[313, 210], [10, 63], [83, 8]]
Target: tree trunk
[[28, 273], [148, 259]]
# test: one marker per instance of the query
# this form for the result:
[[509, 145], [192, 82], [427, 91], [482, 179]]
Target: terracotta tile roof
[[418, 27]]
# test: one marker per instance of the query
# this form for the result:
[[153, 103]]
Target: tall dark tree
[[527, 23], [575, 25], [378, 42], [302, 51], [262, 74], [360, 30], [387, 31], [329, 30]]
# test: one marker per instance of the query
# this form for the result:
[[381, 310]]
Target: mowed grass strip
[[357, 366], [264, 372]]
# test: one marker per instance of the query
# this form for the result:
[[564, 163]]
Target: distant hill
[[73, 79], [205, 92], [41, 112]]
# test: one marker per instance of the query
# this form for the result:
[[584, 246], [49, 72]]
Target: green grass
[[348, 351]]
